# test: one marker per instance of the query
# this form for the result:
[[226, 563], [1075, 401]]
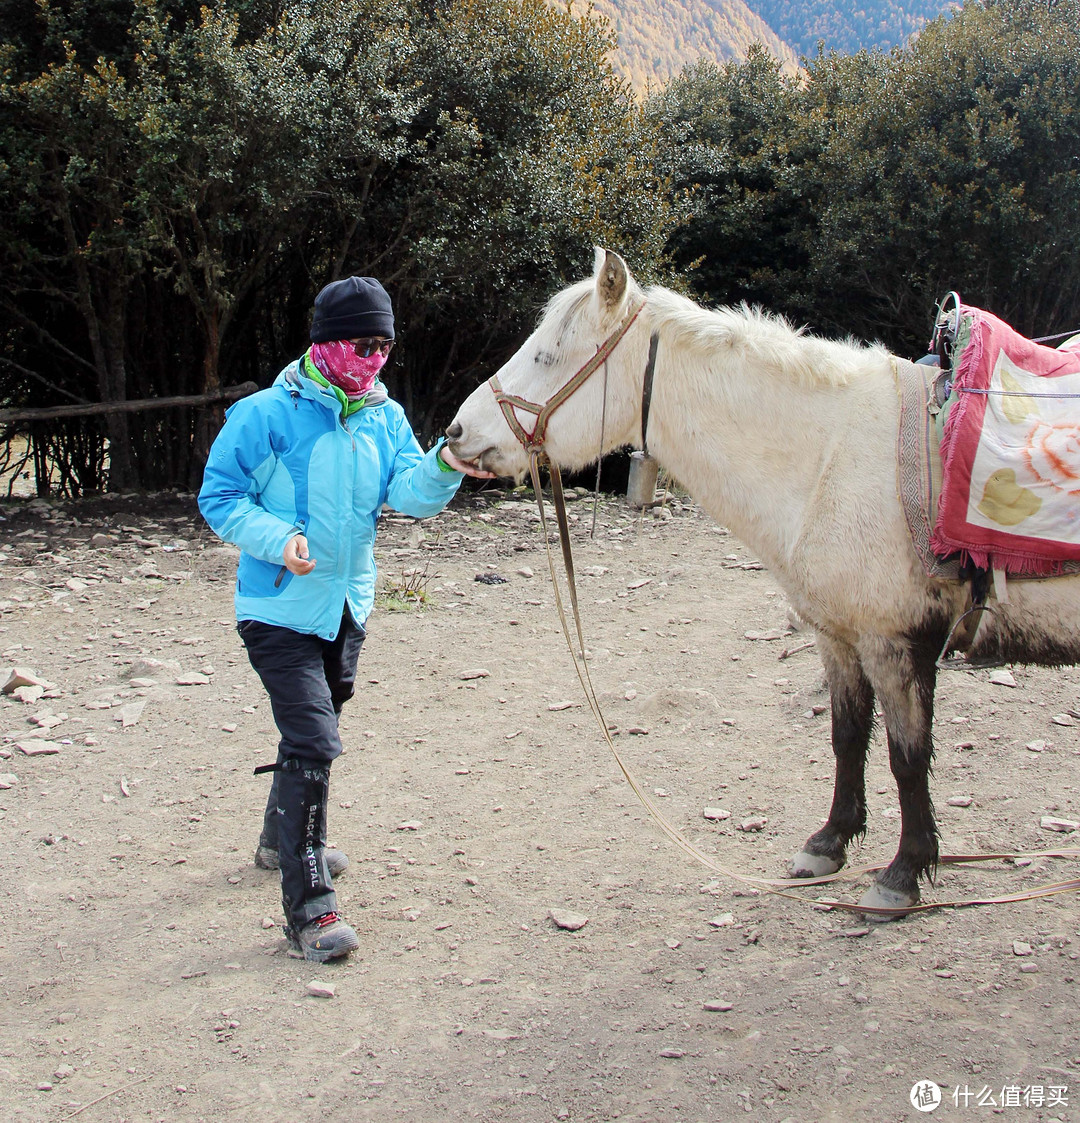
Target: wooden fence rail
[[91, 409]]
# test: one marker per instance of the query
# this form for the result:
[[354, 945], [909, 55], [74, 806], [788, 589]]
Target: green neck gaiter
[[348, 405]]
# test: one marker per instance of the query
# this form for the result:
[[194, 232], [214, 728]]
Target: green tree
[[729, 136], [856, 197], [528, 151], [252, 144], [950, 165], [185, 178], [72, 242]]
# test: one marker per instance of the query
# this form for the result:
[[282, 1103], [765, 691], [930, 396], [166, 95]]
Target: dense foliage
[[854, 197], [177, 181]]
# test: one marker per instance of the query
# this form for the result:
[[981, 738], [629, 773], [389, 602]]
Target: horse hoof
[[879, 897], [805, 864]]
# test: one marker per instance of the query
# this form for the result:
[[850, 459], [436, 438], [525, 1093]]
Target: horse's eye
[[545, 357]]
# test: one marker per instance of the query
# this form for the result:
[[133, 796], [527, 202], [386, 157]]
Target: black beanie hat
[[353, 308]]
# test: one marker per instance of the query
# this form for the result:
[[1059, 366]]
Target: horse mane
[[764, 338], [770, 340]]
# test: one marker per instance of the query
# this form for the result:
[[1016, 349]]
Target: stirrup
[[961, 662]]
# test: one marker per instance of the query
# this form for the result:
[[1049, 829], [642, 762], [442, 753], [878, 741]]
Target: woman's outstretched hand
[[451, 461]]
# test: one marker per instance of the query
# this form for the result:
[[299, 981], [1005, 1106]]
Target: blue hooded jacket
[[287, 463]]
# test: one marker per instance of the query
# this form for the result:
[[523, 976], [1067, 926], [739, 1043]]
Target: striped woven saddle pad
[[918, 459]]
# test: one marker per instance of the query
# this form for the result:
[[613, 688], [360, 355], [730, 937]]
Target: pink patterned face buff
[[338, 362]]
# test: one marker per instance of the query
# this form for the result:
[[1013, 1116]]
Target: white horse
[[789, 441]]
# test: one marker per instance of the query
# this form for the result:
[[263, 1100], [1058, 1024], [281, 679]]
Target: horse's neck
[[752, 446]]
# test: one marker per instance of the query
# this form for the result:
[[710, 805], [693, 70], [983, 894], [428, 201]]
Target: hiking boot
[[337, 861], [325, 938]]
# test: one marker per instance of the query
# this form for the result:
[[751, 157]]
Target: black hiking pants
[[308, 680]]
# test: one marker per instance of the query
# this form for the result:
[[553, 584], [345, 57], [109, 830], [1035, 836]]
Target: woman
[[296, 478]]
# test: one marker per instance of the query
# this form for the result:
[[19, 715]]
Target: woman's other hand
[[296, 556]]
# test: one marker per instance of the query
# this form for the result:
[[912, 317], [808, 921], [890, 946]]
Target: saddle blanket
[[1010, 451]]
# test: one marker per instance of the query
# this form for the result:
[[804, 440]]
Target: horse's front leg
[[904, 676], [852, 700]]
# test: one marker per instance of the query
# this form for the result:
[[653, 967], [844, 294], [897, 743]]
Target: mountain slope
[[657, 38], [847, 25]]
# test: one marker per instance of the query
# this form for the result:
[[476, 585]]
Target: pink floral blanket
[[1010, 496]]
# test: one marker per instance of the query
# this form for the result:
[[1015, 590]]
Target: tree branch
[[228, 393], [43, 380]]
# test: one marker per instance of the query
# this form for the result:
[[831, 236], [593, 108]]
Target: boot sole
[[314, 956], [322, 955]]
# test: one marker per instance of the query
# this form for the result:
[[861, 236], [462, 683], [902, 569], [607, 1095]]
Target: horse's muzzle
[[484, 459]]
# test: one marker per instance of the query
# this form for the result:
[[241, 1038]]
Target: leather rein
[[533, 443]]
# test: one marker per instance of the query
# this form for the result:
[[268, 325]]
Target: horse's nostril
[[454, 430]]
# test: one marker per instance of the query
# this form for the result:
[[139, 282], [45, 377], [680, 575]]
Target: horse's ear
[[611, 278]]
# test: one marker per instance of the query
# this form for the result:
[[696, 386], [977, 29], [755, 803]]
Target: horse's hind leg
[[904, 676], [852, 700]]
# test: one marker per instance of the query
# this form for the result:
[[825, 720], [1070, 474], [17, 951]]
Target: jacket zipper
[[285, 569]]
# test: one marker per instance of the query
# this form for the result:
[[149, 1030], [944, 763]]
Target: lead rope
[[770, 885], [599, 457]]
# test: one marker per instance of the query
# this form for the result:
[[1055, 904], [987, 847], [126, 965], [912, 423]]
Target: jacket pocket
[[256, 578]]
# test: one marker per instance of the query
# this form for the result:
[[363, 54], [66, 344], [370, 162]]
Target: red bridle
[[534, 441]]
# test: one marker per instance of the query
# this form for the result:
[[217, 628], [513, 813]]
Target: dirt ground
[[143, 975]]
